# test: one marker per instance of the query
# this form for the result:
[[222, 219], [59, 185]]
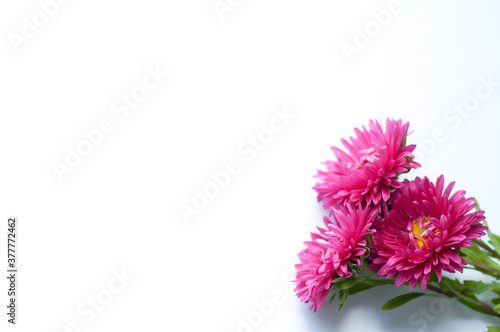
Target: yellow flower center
[[418, 234], [420, 229]]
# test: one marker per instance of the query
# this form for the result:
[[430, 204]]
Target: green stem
[[488, 308], [491, 270], [486, 247], [440, 291], [471, 301]]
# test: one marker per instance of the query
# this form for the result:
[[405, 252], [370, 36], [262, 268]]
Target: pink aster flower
[[328, 254], [424, 232], [369, 170]]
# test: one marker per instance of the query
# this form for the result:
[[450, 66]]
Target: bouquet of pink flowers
[[383, 231]]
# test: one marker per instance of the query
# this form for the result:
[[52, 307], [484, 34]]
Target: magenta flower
[[424, 232], [328, 254], [369, 170]]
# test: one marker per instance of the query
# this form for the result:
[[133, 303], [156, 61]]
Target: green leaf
[[477, 208], [469, 301], [342, 298], [379, 282], [472, 287], [331, 295], [475, 307], [493, 329], [367, 252], [458, 289], [360, 287], [494, 239], [346, 283], [474, 253], [497, 308], [400, 300], [450, 284], [496, 301], [433, 278]]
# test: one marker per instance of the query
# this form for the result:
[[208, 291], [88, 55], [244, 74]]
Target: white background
[[119, 209]]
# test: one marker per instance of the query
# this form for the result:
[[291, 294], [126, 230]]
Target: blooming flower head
[[328, 254], [369, 169], [424, 232]]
